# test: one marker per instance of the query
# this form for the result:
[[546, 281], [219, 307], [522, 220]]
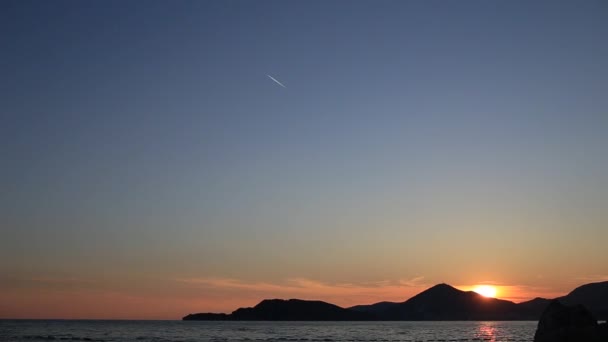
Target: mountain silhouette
[[444, 302], [289, 310], [376, 309], [440, 302]]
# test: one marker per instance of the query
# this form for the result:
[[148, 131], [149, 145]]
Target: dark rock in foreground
[[561, 323], [593, 296]]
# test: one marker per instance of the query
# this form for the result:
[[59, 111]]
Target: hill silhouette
[[444, 302], [289, 310], [376, 309], [440, 302]]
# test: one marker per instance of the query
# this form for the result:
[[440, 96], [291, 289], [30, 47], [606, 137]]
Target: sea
[[207, 331]]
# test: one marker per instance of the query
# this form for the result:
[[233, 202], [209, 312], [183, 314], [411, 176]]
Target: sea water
[[191, 331]]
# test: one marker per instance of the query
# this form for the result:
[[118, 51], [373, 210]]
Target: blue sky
[[145, 139]]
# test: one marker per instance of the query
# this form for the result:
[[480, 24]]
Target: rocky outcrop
[[593, 296], [561, 323], [206, 317]]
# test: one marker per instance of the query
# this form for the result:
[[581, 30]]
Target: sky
[[151, 166]]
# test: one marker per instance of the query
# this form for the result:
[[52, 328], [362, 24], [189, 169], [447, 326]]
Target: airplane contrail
[[279, 83]]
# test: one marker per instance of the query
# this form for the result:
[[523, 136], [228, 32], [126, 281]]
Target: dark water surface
[[174, 331]]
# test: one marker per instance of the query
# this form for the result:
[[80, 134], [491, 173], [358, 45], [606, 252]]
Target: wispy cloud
[[414, 282], [276, 81], [344, 294], [593, 278]]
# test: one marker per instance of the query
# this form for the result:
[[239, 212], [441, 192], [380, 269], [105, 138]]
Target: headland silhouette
[[441, 302]]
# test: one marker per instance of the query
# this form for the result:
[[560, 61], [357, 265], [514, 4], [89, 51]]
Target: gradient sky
[[150, 168]]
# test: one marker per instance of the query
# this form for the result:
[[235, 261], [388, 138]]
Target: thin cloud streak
[[344, 294], [276, 81], [593, 278], [348, 294]]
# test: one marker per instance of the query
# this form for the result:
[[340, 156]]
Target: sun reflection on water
[[486, 331]]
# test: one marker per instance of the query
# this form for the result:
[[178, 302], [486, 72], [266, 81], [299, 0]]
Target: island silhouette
[[441, 302]]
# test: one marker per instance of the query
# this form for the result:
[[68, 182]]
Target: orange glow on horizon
[[173, 298], [486, 290]]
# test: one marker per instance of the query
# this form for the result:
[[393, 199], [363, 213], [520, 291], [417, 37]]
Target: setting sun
[[486, 290]]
